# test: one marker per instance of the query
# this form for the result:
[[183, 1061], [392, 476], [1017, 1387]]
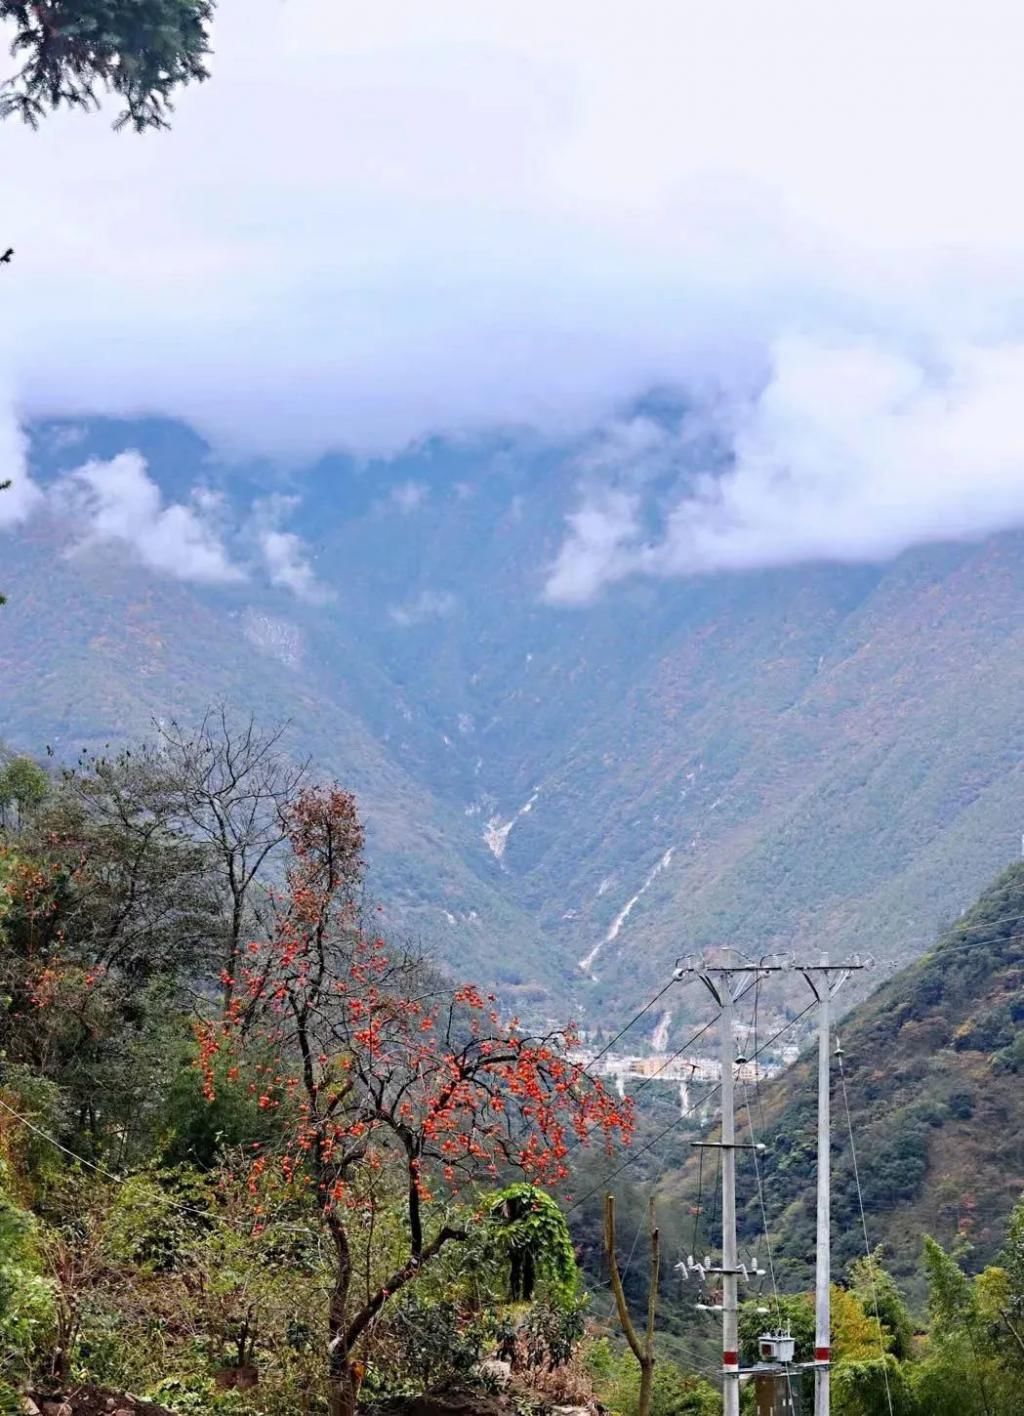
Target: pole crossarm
[[727, 984], [735, 1145], [825, 979]]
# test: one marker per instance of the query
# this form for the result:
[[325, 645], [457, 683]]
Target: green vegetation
[[23, 787], [930, 1065], [253, 1158], [674, 1391], [832, 751], [195, 1007], [965, 1359], [139, 50], [27, 1298], [532, 1237], [929, 1069]]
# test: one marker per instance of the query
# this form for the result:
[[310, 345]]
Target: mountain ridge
[[820, 756]]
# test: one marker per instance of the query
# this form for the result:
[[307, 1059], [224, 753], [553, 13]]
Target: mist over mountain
[[589, 440], [564, 792]]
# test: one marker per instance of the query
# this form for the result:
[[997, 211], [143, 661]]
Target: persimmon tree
[[376, 1068]]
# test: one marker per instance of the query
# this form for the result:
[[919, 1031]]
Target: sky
[[379, 223]]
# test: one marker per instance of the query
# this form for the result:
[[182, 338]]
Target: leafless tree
[[231, 783], [642, 1348]]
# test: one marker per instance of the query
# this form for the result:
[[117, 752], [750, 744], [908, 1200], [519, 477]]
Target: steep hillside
[[827, 755], [933, 1063]]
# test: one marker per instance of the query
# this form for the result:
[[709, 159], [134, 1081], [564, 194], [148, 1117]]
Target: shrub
[[27, 1306]]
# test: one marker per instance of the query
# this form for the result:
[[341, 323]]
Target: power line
[[37, 1130], [109, 1174], [938, 952], [653, 1076], [935, 946], [983, 924], [761, 1202], [577, 1141], [635, 1019], [635, 1155], [864, 1227], [700, 1200], [716, 1195], [208, 1215], [941, 953], [699, 1361], [764, 1212], [647, 1081], [640, 1225]]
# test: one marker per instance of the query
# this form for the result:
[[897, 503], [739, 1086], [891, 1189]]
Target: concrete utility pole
[[725, 985], [730, 1258], [825, 981]]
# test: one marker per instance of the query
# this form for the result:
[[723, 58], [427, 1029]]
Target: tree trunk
[[646, 1379], [344, 1373], [234, 946], [642, 1350], [341, 1390]]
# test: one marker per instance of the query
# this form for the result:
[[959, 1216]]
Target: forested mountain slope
[[932, 1064], [818, 756]]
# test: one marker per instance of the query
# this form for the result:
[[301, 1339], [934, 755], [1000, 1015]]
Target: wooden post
[[643, 1350]]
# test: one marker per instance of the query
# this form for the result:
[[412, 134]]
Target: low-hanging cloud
[[21, 497], [379, 223], [408, 497], [851, 452], [423, 607], [203, 539], [288, 567], [117, 502], [284, 556]]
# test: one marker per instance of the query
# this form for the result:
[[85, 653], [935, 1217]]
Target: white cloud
[[67, 435], [23, 496], [118, 502], [601, 547], [855, 453], [849, 453], [285, 556], [378, 222], [427, 605], [408, 497], [288, 567]]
